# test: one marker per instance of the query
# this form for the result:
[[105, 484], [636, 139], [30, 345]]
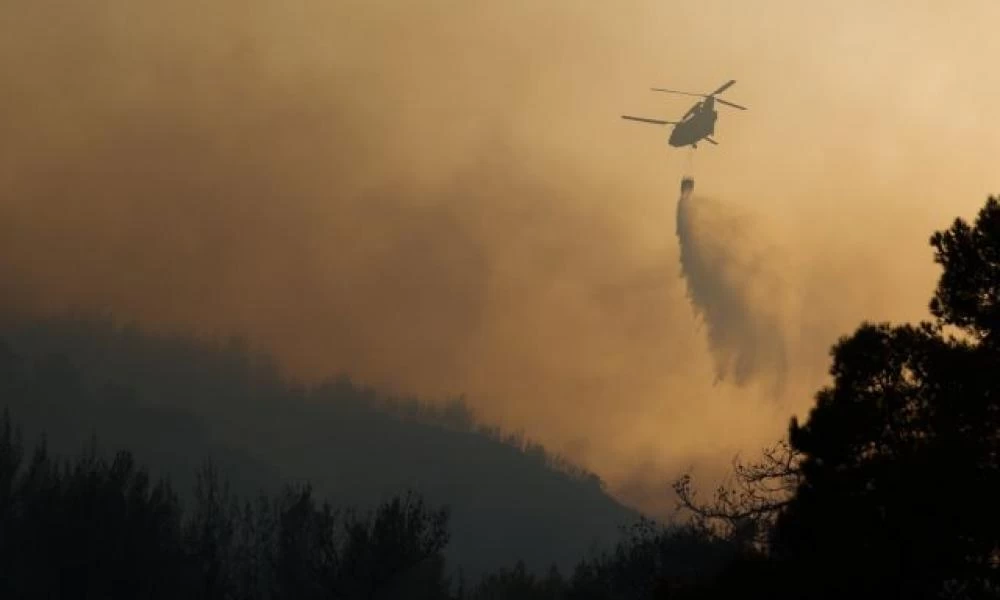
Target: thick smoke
[[439, 197], [372, 189], [734, 289]]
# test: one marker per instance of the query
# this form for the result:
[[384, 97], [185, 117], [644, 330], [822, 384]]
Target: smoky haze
[[443, 199]]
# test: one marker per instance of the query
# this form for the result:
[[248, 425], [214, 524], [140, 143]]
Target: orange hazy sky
[[440, 198]]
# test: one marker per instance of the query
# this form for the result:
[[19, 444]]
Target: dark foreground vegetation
[[889, 489], [104, 528]]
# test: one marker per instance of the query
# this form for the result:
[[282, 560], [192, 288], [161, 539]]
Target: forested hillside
[[176, 401]]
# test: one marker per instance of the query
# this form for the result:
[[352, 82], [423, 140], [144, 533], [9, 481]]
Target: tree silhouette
[[88, 529], [968, 292], [520, 584], [900, 481], [97, 529], [744, 512], [210, 535]]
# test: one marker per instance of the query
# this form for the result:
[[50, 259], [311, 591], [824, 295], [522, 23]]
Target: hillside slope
[[176, 401]]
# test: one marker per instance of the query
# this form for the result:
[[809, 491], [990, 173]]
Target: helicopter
[[698, 123]]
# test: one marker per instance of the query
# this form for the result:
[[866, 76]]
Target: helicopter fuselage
[[697, 127]]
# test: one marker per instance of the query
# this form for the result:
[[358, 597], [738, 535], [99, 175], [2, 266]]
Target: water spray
[[729, 293]]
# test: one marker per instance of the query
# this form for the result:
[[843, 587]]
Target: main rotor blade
[[678, 92], [723, 87], [711, 141], [653, 121], [727, 103]]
